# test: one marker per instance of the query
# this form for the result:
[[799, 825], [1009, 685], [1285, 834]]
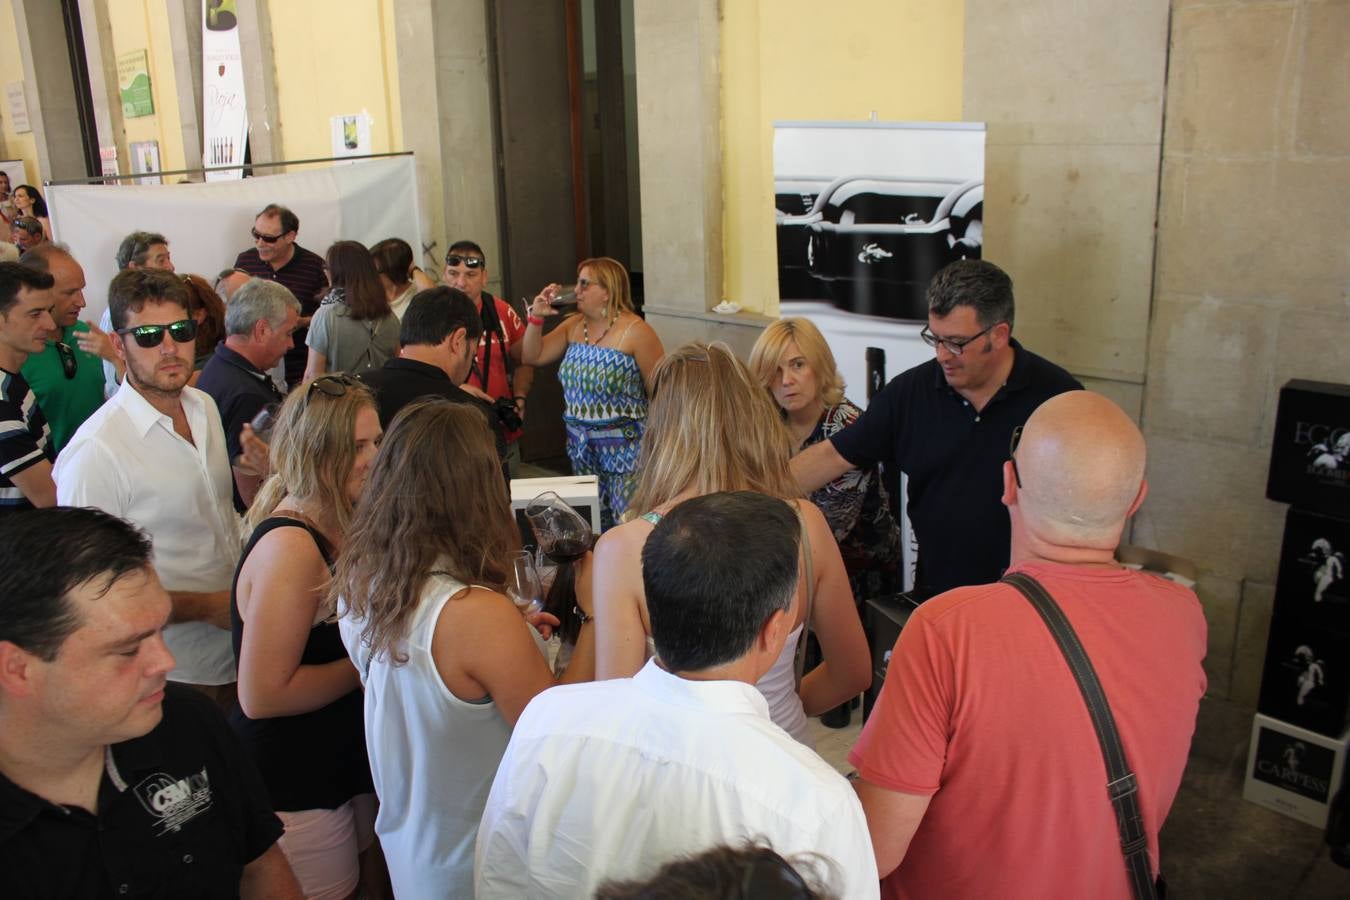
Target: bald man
[[979, 770]]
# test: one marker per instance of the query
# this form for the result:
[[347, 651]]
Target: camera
[[505, 408]]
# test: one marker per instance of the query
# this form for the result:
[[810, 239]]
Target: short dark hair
[[976, 283], [435, 314], [750, 871], [39, 258], [35, 583], [28, 224], [714, 571], [289, 220], [393, 259], [462, 247], [135, 247], [16, 275], [131, 289]]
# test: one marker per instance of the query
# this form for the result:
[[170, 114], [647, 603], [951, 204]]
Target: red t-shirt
[[981, 712], [514, 331]]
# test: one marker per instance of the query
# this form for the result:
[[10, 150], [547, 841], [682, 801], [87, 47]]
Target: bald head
[[1081, 461]]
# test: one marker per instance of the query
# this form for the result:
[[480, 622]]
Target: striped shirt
[[25, 438]]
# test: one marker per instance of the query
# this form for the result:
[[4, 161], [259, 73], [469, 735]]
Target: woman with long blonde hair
[[712, 428], [299, 709], [447, 661]]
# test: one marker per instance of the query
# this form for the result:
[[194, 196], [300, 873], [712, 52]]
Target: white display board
[[207, 225]]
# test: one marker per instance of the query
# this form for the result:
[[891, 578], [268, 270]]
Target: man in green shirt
[[67, 379]]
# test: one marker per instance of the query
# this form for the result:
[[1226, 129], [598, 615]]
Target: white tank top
[[779, 687], [432, 755]]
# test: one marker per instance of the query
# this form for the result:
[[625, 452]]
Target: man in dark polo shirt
[[66, 378], [259, 321], [26, 453], [947, 424], [112, 782], [439, 335], [276, 256]]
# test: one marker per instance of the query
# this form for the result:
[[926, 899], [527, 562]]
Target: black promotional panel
[[1310, 457], [1312, 583], [1306, 680]]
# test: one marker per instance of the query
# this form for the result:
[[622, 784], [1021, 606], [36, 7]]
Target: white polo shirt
[[127, 460], [615, 778]]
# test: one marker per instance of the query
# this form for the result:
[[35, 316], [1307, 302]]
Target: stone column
[[260, 83], [50, 89], [185, 30]]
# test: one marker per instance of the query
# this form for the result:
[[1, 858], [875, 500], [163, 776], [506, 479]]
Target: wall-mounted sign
[[145, 159], [133, 80], [351, 135], [18, 107], [107, 157]]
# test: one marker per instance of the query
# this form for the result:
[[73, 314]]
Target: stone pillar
[[102, 64], [680, 155], [260, 83], [185, 30], [446, 106], [50, 89]]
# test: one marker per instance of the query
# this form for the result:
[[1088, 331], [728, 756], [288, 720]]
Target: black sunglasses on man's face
[[150, 336], [266, 238], [468, 262]]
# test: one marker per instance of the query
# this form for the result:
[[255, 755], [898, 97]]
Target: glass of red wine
[[563, 535]]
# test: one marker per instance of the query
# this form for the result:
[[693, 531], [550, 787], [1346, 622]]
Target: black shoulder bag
[[1121, 785]]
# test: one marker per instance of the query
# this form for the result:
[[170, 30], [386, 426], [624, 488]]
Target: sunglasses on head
[[330, 385], [69, 364], [468, 262], [266, 238], [148, 336]]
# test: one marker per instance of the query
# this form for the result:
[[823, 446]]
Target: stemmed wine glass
[[562, 533], [523, 585]]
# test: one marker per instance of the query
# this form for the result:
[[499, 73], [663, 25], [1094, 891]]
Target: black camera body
[[507, 414]]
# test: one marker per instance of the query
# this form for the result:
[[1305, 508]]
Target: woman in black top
[[299, 713]]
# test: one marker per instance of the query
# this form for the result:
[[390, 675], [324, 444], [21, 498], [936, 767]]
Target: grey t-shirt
[[352, 345]]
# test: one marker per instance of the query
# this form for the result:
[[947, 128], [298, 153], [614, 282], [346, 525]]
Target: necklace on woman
[[586, 334]]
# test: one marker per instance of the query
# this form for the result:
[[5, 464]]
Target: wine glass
[[523, 586], [562, 533]]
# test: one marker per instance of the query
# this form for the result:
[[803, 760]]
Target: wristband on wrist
[[534, 320]]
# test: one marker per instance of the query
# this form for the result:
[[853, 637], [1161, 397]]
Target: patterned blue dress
[[605, 417]]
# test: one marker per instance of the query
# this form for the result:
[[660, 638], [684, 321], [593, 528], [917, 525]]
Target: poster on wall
[[18, 107], [107, 159], [866, 213], [224, 114], [133, 82], [351, 135], [144, 160]]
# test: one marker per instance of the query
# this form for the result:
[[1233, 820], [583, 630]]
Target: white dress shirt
[[615, 778], [127, 460]]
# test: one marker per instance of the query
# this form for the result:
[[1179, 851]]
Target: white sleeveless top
[[432, 756], [779, 687]]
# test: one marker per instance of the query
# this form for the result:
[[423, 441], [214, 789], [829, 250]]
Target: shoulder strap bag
[[1121, 785]]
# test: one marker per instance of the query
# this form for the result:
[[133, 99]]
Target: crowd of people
[[262, 632]]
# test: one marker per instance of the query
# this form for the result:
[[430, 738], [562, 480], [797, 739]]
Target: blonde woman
[[712, 428], [299, 710], [795, 366], [447, 661], [608, 354]]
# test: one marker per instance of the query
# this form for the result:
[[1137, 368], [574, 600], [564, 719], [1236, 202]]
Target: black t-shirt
[[401, 381], [181, 812], [241, 391], [313, 760], [954, 459]]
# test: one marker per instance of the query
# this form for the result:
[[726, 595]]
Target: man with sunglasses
[[67, 379], [946, 424], [275, 256], [155, 454], [25, 440], [497, 373]]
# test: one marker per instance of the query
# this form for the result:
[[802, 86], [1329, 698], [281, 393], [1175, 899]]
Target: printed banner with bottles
[[224, 113]]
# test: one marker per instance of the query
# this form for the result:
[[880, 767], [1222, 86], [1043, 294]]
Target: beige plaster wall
[[1252, 289]]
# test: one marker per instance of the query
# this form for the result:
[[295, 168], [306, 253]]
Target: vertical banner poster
[[224, 115], [133, 82], [866, 214], [145, 160]]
